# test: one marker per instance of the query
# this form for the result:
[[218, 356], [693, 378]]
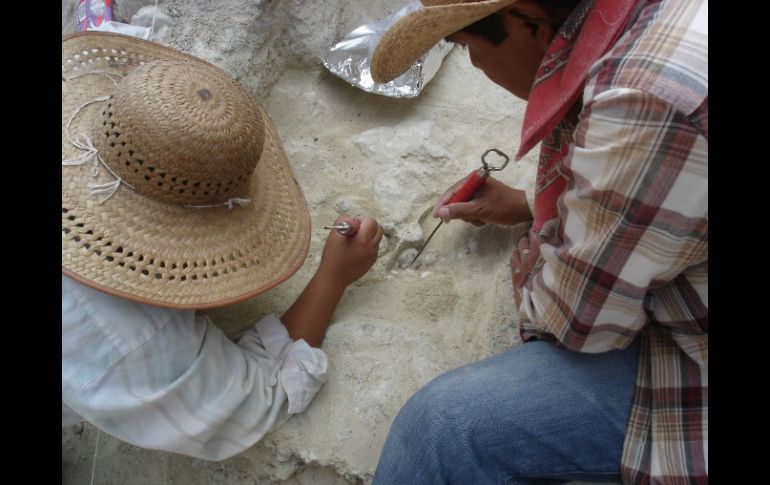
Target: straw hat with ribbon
[[176, 190], [414, 34]]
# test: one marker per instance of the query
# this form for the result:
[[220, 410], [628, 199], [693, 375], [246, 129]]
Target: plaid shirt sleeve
[[633, 218]]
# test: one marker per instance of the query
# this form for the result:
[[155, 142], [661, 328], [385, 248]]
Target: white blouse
[[170, 380]]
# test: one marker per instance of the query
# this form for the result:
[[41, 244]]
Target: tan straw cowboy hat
[[176, 190], [414, 34]]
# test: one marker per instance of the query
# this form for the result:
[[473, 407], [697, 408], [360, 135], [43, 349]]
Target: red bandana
[[554, 102]]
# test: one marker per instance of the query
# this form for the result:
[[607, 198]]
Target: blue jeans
[[534, 414]]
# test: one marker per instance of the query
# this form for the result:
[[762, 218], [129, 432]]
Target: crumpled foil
[[350, 59]]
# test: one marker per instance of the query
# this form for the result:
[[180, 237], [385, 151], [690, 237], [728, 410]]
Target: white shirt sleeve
[[170, 380]]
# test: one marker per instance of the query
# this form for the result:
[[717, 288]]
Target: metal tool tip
[[342, 227]]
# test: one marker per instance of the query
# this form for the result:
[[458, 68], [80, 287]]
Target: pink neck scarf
[[554, 102]]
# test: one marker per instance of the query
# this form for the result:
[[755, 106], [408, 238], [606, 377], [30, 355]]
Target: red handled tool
[[467, 190], [345, 228]]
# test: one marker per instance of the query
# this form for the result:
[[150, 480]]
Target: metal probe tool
[[466, 191], [345, 228]]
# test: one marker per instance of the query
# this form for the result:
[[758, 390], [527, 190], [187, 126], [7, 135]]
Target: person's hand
[[523, 259], [346, 259], [493, 203]]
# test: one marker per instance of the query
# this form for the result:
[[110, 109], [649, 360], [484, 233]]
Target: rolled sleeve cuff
[[527, 305], [303, 369]]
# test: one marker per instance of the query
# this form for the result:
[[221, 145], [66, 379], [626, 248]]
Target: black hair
[[492, 27]]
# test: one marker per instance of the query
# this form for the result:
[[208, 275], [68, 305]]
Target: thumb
[[450, 192], [458, 210]]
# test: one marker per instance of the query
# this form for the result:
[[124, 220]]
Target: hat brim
[[170, 255], [414, 34]]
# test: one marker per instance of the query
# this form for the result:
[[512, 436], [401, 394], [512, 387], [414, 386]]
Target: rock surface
[[356, 153]]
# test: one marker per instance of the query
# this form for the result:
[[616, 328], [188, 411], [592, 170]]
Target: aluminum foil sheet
[[350, 59]]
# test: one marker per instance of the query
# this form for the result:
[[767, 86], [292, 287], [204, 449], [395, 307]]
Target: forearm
[[345, 259], [309, 316]]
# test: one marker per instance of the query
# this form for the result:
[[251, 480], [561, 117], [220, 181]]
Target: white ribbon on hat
[[83, 142], [235, 200]]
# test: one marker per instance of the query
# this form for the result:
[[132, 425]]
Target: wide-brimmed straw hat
[[176, 190], [414, 34]]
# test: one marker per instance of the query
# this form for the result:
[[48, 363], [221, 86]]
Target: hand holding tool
[[468, 189]]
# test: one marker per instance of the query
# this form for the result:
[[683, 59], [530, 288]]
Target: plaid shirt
[[627, 254]]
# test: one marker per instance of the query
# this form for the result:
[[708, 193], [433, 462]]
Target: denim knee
[[533, 411], [419, 437], [422, 419]]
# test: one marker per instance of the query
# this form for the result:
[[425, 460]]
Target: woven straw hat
[[186, 141], [414, 34]]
